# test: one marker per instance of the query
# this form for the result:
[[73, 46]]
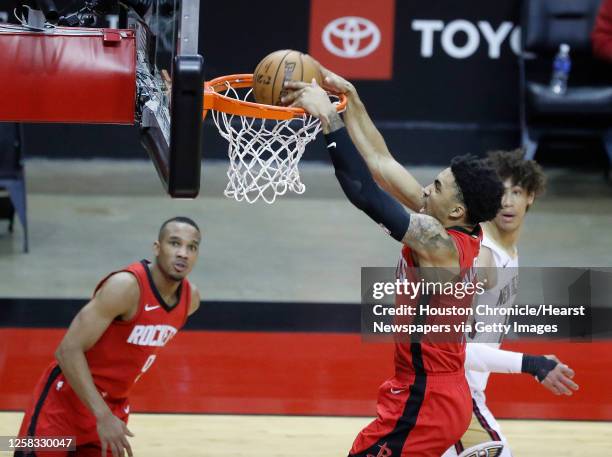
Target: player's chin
[[178, 274]]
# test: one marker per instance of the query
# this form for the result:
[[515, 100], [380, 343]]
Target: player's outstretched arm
[[387, 172], [548, 370], [117, 297], [350, 168], [423, 233]]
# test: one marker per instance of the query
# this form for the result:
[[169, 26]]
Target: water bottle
[[561, 70]]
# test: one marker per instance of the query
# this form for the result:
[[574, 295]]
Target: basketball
[[278, 67]]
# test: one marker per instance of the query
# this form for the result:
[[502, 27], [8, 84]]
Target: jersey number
[[146, 366]]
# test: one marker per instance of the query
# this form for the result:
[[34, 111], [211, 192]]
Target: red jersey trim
[[145, 266], [184, 292]]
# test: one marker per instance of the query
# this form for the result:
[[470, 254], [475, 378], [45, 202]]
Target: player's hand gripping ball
[[278, 67]]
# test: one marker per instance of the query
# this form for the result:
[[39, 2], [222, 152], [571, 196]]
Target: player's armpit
[[195, 300], [430, 240], [118, 297]]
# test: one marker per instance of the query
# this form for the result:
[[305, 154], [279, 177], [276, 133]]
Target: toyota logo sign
[[351, 37]]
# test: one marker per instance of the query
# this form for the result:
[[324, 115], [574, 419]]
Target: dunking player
[[426, 406], [523, 182], [111, 343]]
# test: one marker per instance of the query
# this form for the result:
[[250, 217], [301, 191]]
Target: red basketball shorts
[[417, 417], [56, 411]]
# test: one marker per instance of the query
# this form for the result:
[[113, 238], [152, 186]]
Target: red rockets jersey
[[437, 354], [127, 349]]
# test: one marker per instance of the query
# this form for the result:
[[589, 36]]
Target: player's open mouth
[[507, 217], [180, 266]]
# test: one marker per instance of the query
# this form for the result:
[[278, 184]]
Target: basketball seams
[[280, 64], [302, 67], [276, 68], [256, 72], [263, 62], [263, 66]]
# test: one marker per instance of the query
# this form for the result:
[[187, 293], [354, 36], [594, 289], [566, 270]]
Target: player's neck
[[166, 286], [452, 223], [508, 240]]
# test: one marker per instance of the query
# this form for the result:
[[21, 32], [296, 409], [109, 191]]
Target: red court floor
[[301, 373]]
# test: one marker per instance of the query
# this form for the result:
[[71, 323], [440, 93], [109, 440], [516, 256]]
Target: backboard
[[170, 79]]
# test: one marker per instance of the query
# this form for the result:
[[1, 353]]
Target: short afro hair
[[525, 173], [480, 187], [181, 219]]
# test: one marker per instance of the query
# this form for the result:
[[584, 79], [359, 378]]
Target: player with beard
[[523, 181], [426, 406], [111, 343]]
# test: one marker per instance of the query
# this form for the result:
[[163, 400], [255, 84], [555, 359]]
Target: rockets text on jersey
[[151, 335]]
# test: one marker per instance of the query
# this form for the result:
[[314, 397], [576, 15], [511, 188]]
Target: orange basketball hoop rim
[[215, 100]]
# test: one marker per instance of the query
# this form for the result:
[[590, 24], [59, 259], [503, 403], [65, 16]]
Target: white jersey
[[502, 295]]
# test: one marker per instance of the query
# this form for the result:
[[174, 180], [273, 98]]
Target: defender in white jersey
[[498, 262]]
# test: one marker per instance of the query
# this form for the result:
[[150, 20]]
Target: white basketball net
[[264, 153]]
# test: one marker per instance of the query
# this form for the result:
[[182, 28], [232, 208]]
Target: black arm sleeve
[[537, 365], [361, 189]]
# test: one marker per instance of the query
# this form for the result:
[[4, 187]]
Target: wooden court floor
[[162, 435]]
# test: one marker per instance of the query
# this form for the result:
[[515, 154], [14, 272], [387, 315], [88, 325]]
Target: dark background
[[432, 109]]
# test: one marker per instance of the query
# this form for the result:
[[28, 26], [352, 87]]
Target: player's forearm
[[359, 187], [366, 137], [74, 366], [484, 358], [387, 172]]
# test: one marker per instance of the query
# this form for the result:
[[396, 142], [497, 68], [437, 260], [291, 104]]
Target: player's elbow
[[60, 355], [64, 351], [353, 189]]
